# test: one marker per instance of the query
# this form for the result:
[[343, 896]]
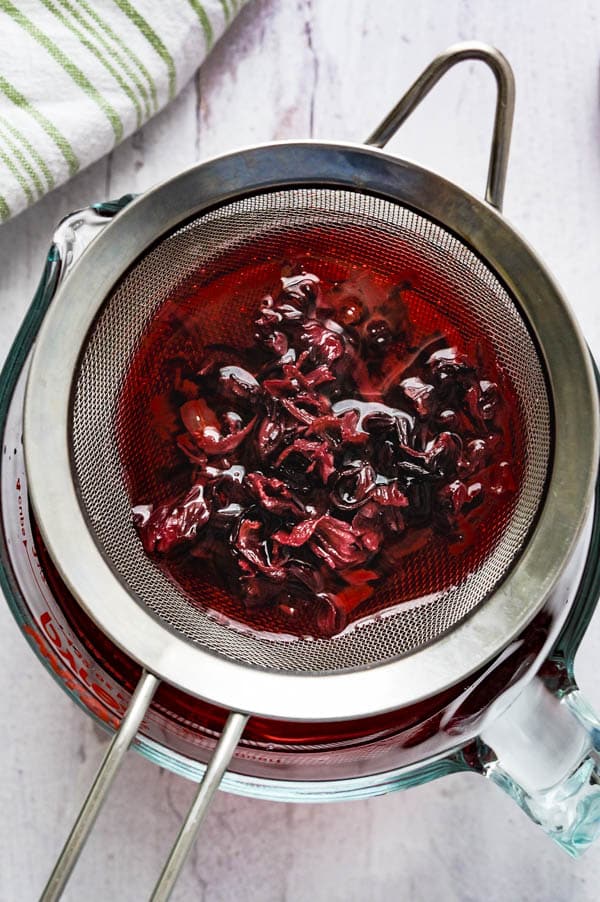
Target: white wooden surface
[[328, 68]]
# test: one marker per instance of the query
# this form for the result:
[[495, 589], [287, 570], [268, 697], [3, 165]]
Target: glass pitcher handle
[[544, 751]]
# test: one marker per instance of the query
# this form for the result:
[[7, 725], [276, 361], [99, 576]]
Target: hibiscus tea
[[309, 441]]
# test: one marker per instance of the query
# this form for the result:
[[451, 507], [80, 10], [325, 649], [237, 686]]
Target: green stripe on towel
[[25, 163], [76, 74], [204, 21], [59, 139], [12, 168], [4, 210], [118, 40], [114, 54], [19, 136], [153, 39], [99, 56]]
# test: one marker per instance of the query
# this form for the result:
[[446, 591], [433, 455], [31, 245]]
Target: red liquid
[[202, 718], [413, 724], [220, 308]]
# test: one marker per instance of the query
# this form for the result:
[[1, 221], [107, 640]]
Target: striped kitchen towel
[[78, 76]]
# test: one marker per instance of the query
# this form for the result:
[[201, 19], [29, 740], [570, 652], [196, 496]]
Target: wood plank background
[[330, 69]]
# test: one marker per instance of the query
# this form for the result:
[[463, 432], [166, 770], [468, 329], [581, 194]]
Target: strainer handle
[[226, 746], [100, 787], [503, 120], [215, 769]]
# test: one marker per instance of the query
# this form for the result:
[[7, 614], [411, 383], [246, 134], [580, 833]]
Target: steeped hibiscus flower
[[315, 459]]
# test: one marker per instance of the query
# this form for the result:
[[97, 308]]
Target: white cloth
[[78, 76]]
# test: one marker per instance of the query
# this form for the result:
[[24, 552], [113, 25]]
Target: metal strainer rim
[[308, 696]]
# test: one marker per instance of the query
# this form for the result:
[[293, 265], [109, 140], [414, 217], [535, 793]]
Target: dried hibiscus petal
[[204, 427], [198, 416], [238, 383], [273, 495], [334, 541], [174, 522], [299, 535], [420, 393], [328, 451], [269, 435], [325, 346], [251, 543], [353, 486]]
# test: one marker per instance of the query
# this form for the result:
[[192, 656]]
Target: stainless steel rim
[[326, 696]]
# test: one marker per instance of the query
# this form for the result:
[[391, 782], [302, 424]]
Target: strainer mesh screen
[[231, 232]]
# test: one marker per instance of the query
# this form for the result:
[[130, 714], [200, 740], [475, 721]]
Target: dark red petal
[[251, 543], [173, 523], [197, 416], [334, 541], [299, 535], [273, 495], [211, 441]]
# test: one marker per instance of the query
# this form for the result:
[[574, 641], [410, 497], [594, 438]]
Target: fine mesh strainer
[[261, 226], [75, 451]]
